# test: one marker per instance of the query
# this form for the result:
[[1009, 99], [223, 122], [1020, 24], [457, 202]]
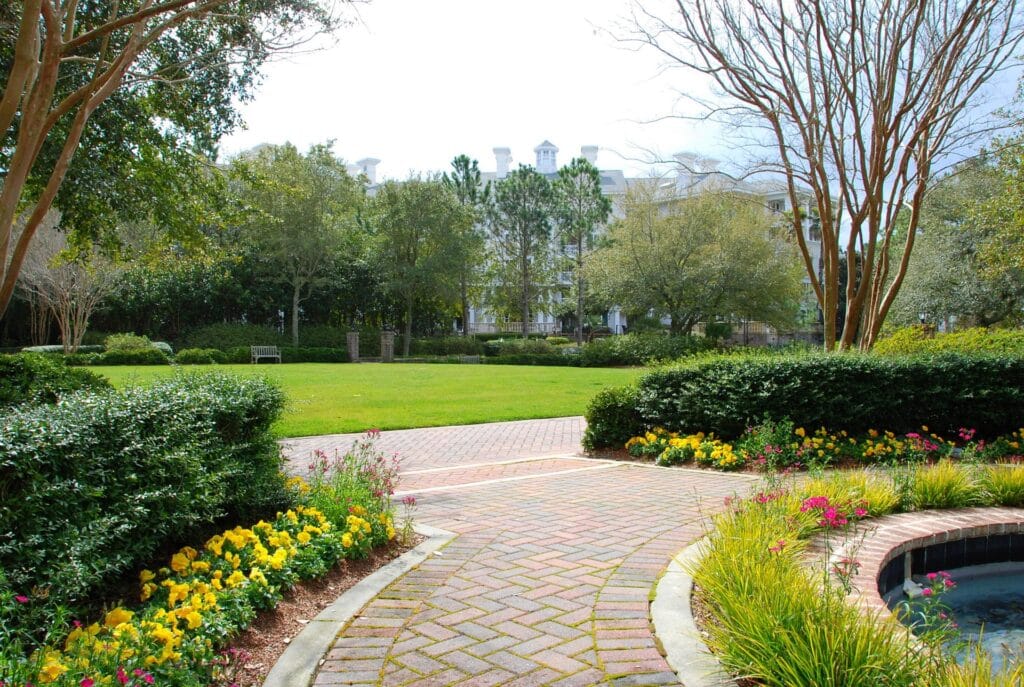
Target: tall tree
[[464, 181], [173, 69], [579, 207], [302, 213], [857, 100], [696, 258], [69, 282], [419, 224], [520, 224]]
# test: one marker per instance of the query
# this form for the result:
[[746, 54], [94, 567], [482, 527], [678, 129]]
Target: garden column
[[387, 347], [352, 341]]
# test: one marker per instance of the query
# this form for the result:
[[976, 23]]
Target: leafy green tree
[[951, 279], [419, 225], [148, 87], [579, 207], [302, 213], [520, 225], [464, 181], [701, 257]]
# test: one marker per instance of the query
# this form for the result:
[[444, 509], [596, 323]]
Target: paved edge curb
[[299, 662], [675, 628]]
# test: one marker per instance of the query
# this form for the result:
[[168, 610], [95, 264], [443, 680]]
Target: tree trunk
[[524, 266], [579, 291], [296, 290], [464, 295], [407, 329]]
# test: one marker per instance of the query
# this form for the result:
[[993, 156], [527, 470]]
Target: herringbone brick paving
[[547, 582]]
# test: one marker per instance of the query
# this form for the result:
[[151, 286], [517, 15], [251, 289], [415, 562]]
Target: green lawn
[[332, 398]]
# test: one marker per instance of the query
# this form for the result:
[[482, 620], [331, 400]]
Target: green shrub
[[641, 349], [918, 339], [852, 392], [447, 345], [226, 335], [127, 342], [546, 359], [200, 356], [518, 347], [99, 484], [37, 378], [146, 356], [612, 418], [60, 349], [557, 340], [290, 354]]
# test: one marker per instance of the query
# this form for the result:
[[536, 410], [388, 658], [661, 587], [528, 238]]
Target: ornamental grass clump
[[945, 485], [778, 623], [1004, 484]]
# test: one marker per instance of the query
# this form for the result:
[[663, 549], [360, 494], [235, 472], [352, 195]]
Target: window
[[776, 205]]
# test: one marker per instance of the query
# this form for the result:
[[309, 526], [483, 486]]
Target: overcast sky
[[416, 82]]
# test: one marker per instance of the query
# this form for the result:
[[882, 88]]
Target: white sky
[[417, 82]]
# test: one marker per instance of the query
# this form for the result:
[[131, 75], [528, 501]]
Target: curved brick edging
[[305, 653], [893, 535]]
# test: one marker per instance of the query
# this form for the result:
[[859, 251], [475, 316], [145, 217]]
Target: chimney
[[368, 166], [589, 153], [502, 158]]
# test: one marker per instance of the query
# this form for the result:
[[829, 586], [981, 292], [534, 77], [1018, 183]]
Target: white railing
[[515, 328]]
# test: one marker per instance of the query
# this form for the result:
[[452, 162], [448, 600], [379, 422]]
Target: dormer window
[[776, 206]]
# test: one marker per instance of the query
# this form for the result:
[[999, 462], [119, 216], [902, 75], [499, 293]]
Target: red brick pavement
[[547, 582]]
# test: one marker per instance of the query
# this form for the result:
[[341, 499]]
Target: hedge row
[[100, 483], [38, 378], [918, 339], [850, 392]]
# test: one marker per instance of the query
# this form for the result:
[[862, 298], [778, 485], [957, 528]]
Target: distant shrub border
[[918, 339], [854, 392]]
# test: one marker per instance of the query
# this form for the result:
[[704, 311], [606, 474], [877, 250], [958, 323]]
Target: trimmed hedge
[[641, 349], [850, 392], [546, 359], [446, 345], [200, 356], [917, 339], [39, 378], [98, 484], [612, 418]]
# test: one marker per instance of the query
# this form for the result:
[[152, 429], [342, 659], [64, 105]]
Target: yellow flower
[[800, 432], [179, 562], [194, 620], [303, 537], [147, 591], [200, 566], [346, 540], [234, 579], [358, 510], [117, 616], [146, 575], [52, 670]]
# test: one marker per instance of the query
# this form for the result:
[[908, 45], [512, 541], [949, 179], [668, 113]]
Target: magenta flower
[[927, 591], [21, 598], [87, 682], [122, 676], [932, 576]]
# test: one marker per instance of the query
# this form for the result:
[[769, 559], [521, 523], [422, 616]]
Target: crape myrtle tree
[[418, 226], [302, 212], [148, 86], [580, 207], [464, 182], [701, 257], [858, 100], [520, 226]]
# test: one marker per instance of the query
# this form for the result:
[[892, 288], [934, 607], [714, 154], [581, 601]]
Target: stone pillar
[[352, 341], [387, 346]]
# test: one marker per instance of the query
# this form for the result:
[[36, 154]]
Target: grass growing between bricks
[[326, 398]]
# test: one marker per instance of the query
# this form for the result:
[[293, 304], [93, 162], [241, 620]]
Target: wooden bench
[[271, 352]]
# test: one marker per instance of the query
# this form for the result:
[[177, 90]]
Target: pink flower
[[860, 512], [122, 676], [21, 598], [926, 591], [932, 576], [87, 682]]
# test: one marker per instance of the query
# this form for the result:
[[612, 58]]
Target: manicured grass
[[326, 398]]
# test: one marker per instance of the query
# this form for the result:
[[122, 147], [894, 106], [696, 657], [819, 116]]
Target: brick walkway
[[547, 582]]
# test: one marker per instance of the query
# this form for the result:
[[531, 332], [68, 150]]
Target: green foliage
[[227, 335], [854, 392], [290, 354], [549, 359], [641, 349], [612, 418], [1004, 485], [504, 347], [127, 342], [447, 345], [145, 356], [557, 340], [706, 255], [35, 378], [917, 339], [200, 356], [944, 485], [97, 485]]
